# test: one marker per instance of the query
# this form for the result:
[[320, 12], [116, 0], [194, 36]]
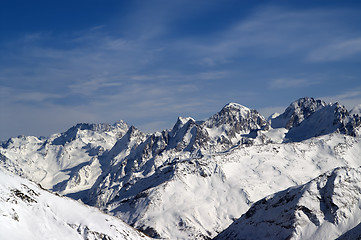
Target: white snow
[[325, 208], [48, 164], [190, 182], [28, 212]]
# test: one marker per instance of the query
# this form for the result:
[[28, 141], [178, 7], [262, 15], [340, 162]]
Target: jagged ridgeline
[[194, 180]]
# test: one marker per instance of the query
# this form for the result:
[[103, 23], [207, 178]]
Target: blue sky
[[147, 62]]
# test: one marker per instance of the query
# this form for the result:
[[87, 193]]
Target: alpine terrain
[[29, 212], [236, 175]]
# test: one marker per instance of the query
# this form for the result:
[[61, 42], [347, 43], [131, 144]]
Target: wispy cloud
[[92, 86], [337, 51], [283, 83], [276, 32], [349, 98], [10, 95]]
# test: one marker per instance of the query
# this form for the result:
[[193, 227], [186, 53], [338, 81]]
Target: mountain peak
[[121, 124], [233, 105], [72, 133], [232, 121], [184, 120], [181, 122], [296, 112]]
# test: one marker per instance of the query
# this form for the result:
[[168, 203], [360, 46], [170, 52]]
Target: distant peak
[[297, 111], [184, 120], [236, 118], [234, 105], [120, 124], [307, 102], [132, 129]]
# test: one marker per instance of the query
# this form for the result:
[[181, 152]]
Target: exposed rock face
[[307, 118], [233, 122], [328, 119], [238, 118], [297, 112]]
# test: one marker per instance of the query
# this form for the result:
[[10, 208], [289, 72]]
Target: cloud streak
[[349, 99], [337, 51], [284, 83]]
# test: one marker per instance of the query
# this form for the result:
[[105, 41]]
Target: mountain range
[[218, 178]]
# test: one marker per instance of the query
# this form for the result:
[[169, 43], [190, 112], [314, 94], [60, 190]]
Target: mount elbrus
[[284, 176]]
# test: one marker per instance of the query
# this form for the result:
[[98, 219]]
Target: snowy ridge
[[330, 118], [328, 207], [66, 162], [194, 197], [192, 181], [307, 118], [28, 212], [297, 112]]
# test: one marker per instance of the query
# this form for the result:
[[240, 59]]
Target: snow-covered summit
[[81, 129], [328, 119], [190, 181], [234, 123], [235, 114], [65, 162], [296, 112], [307, 118]]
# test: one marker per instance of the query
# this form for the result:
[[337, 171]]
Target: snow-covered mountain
[[328, 207], [29, 212], [191, 181], [297, 112], [307, 118], [66, 162]]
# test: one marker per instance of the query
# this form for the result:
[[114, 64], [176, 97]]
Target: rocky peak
[[235, 119], [71, 134], [346, 123], [230, 113], [296, 112], [121, 125], [328, 119], [181, 123], [133, 137]]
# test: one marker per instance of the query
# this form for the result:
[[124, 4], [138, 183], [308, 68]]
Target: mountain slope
[[296, 112], [307, 118], [28, 212], [66, 162], [328, 207], [192, 181], [328, 119], [195, 197]]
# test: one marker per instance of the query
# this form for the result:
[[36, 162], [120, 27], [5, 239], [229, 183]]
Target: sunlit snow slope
[[328, 207], [28, 212], [191, 181]]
